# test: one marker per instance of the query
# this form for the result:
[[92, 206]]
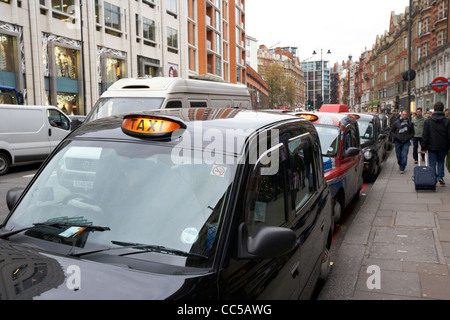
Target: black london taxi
[[373, 142], [209, 204], [342, 156]]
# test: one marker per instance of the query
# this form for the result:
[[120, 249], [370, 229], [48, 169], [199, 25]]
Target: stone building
[[68, 52]]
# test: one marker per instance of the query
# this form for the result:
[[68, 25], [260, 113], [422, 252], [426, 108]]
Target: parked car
[[146, 206], [386, 130], [373, 142], [28, 134], [342, 156]]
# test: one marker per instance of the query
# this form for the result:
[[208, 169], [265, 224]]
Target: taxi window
[[351, 139], [329, 140], [366, 129], [268, 206], [304, 177]]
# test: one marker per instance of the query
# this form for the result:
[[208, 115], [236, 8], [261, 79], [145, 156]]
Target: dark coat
[[404, 136], [436, 133]]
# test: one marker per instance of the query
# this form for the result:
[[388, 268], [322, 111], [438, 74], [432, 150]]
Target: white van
[[28, 134], [129, 95]]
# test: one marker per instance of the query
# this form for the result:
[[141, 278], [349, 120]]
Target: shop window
[[114, 70], [6, 53], [66, 63]]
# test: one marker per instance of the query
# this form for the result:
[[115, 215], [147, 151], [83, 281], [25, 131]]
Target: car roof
[[364, 116], [160, 86], [238, 123], [328, 118]]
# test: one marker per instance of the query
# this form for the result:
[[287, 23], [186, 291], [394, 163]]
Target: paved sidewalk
[[400, 240]]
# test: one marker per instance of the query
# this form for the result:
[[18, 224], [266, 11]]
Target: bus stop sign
[[440, 84]]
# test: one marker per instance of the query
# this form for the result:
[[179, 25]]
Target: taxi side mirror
[[267, 243], [13, 196], [351, 152]]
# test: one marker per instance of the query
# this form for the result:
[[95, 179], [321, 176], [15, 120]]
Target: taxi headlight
[[368, 154]]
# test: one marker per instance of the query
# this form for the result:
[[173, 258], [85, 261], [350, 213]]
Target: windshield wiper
[[144, 247], [54, 224]]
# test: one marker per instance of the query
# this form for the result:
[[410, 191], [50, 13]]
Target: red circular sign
[[440, 84]]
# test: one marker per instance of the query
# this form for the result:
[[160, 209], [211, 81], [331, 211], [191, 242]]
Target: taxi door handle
[[295, 272]]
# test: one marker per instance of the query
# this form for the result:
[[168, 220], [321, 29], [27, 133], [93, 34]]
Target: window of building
[[172, 39], [149, 32], [112, 16], [171, 7]]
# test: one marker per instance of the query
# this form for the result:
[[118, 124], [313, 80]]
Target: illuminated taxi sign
[[145, 126], [354, 116], [307, 116]]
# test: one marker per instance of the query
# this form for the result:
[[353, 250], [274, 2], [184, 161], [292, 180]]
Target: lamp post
[[322, 75]]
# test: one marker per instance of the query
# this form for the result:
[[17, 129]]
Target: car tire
[[5, 163], [337, 209], [325, 266]]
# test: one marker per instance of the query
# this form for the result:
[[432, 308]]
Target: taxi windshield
[[329, 140], [365, 129], [138, 194], [106, 107]]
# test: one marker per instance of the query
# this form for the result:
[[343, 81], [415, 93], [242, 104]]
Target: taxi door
[[266, 197], [310, 206]]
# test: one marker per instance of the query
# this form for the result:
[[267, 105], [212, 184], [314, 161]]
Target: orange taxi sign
[[145, 126], [354, 116], [307, 116]]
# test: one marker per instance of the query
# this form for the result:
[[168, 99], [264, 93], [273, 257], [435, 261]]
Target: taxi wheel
[[337, 209], [5, 163]]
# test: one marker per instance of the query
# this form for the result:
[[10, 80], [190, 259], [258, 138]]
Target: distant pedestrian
[[418, 122], [402, 131], [436, 140]]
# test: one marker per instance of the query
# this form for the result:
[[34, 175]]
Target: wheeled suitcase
[[425, 176]]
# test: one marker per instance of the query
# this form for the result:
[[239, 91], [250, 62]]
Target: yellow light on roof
[[145, 126], [307, 116]]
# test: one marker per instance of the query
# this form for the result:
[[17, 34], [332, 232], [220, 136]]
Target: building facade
[[380, 74], [68, 52], [317, 82]]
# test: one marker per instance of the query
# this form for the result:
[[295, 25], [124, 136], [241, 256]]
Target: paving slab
[[404, 245], [415, 219], [435, 286]]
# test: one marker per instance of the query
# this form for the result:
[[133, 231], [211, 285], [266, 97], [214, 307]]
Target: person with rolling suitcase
[[436, 140]]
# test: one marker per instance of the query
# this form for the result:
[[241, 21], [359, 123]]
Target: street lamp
[[321, 67]]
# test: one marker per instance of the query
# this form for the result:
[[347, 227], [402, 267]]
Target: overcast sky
[[342, 26]]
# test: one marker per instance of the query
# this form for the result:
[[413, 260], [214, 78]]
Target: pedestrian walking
[[436, 140], [402, 132], [418, 122]]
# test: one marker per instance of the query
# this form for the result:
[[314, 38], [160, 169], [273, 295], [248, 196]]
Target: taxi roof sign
[[148, 126], [308, 116], [356, 116]]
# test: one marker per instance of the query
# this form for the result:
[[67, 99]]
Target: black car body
[[225, 204], [373, 142], [385, 122]]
